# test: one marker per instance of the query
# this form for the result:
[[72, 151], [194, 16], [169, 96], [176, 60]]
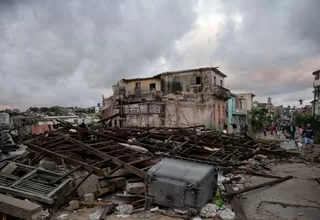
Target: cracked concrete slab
[[286, 211], [302, 190]]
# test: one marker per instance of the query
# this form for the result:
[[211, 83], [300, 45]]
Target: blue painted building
[[231, 109], [237, 111]]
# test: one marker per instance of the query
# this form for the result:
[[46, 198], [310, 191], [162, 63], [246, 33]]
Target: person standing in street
[[308, 134], [225, 128], [292, 131], [234, 128], [300, 132], [272, 128]]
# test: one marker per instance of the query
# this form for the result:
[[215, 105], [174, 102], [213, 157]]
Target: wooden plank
[[250, 188], [236, 204], [103, 155]]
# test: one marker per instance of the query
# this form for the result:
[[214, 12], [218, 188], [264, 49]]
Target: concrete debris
[[235, 188], [136, 188], [96, 215], [227, 214], [123, 216], [66, 165], [74, 205], [209, 211], [183, 212], [106, 190], [118, 182], [63, 217], [90, 185], [10, 168], [17, 207], [154, 209], [124, 209], [47, 164], [42, 215], [134, 147], [289, 145], [89, 197]]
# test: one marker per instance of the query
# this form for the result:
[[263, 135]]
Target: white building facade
[[316, 86]]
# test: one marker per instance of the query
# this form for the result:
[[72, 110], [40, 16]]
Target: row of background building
[[192, 97]]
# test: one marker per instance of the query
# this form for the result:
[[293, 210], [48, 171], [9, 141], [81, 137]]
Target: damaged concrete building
[[189, 97]]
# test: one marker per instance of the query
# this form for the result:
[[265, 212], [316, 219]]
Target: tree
[[44, 109], [259, 117], [33, 109], [301, 118], [277, 115]]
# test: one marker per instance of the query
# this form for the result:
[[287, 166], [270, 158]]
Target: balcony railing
[[221, 92], [240, 111]]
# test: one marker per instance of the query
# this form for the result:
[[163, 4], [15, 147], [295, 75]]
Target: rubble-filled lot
[[101, 172]]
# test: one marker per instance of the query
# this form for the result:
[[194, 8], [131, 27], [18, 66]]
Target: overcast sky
[[70, 52]]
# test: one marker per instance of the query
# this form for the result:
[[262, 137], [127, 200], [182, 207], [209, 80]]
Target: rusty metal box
[[180, 183]]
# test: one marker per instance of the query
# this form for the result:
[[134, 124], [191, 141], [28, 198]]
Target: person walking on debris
[[308, 134], [277, 128], [292, 131], [271, 128], [225, 128], [300, 132], [234, 128], [265, 130], [82, 134]]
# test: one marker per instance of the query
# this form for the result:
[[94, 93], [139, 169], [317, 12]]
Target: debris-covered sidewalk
[[187, 173]]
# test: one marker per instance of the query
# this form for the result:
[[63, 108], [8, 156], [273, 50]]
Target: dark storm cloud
[[67, 52], [268, 52]]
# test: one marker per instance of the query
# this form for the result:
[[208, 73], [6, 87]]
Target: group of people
[[305, 133], [273, 129]]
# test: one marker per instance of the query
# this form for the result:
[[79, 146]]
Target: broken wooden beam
[[258, 186], [70, 160], [103, 155], [236, 204]]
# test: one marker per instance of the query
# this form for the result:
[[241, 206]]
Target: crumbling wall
[[120, 89], [172, 83], [187, 114], [195, 86], [216, 79], [144, 114], [153, 120], [5, 121]]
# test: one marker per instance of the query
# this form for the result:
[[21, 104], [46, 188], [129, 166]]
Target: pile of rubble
[[189, 170]]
